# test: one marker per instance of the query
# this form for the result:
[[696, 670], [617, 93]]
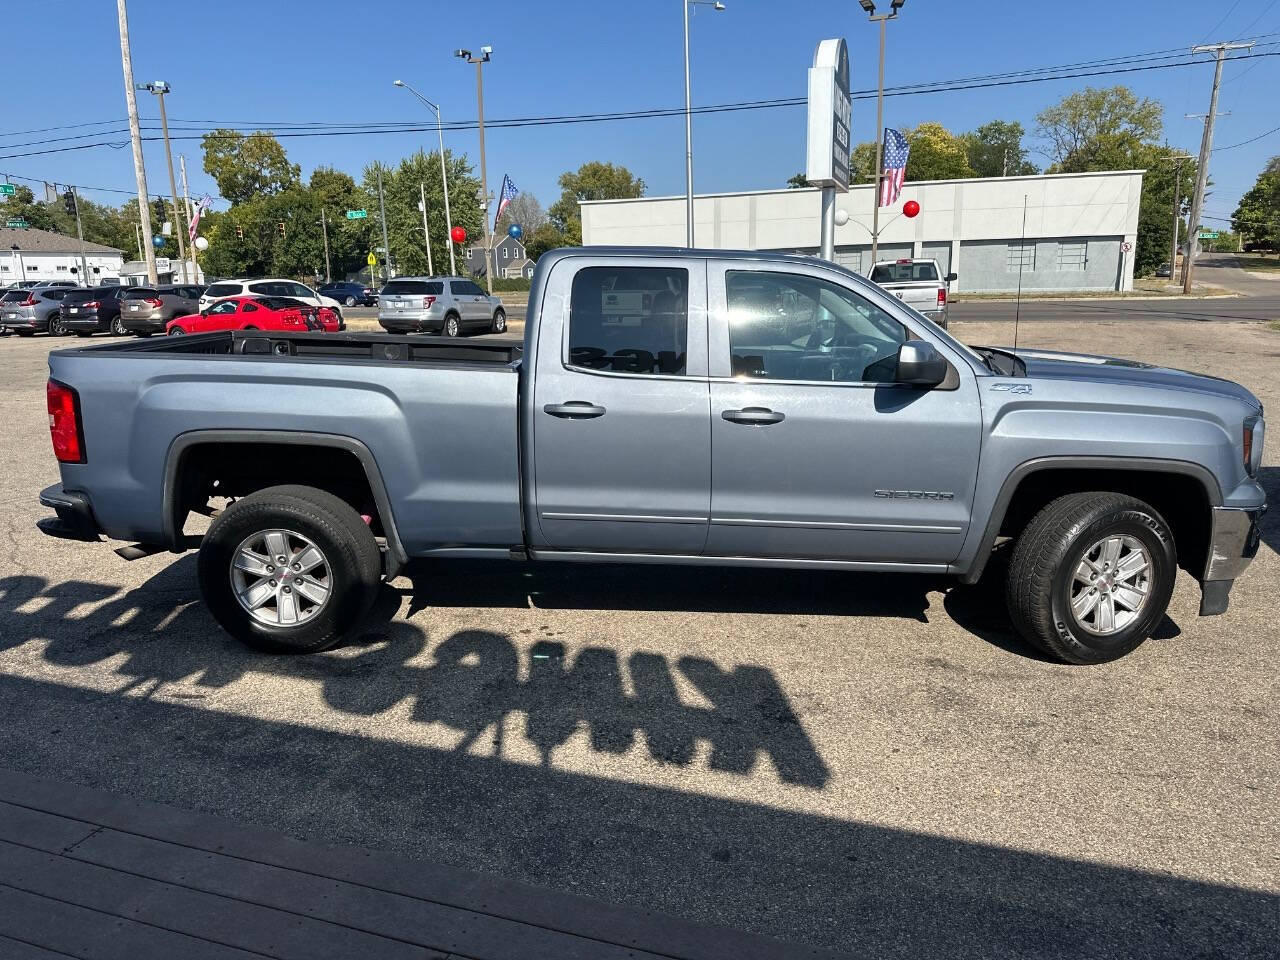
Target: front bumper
[[74, 520], [1233, 543]]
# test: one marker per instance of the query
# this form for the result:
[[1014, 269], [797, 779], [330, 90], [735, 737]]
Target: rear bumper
[[411, 325], [1233, 544], [143, 324], [74, 520], [81, 321]]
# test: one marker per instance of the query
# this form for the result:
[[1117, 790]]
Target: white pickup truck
[[917, 283]]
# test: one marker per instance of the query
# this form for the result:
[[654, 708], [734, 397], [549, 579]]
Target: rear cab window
[[908, 271], [628, 319], [403, 288]]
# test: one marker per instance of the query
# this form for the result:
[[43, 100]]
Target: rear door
[[463, 293], [817, 452], [620, 416]]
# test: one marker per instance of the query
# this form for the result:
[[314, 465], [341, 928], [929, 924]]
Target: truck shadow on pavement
[[662, 845]]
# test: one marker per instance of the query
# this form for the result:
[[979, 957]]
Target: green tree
[[247, 166], [1098, 128], [545, 238], [39, 216], [1155, 208], [797, 182], [862, 163], [591, 181], [995, 150], [525, 210], [1257, 217], [936, 154]]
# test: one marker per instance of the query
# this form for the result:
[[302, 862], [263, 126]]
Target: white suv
[[266, 288]]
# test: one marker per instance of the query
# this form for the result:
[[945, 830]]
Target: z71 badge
[[1012, 387]]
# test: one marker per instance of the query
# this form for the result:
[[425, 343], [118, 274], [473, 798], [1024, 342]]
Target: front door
[[620, 414], [817, 453]]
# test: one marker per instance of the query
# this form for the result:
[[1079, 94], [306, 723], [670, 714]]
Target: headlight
[[1254, 433]]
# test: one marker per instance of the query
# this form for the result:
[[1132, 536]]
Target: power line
[[1246, 142]]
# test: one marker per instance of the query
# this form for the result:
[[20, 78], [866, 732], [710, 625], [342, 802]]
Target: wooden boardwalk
[[89, 874]]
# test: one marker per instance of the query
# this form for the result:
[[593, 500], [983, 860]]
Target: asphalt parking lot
[[872, 764]]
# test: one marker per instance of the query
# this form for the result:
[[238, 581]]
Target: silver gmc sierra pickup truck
[[666, 406]]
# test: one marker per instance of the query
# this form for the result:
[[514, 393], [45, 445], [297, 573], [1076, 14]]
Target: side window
[[785, 326], [459, 288], [630, 319], [227, 306], [249, 308], [265, 289], [298, 290]]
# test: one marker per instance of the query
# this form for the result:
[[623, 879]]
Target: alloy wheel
[[1110, 585], [280, 577]]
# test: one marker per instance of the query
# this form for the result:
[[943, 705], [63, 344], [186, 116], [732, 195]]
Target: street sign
[[7, 189], [371, 260], [1126, 246], [1209, 235], [357, 214], [17, 223], [830, 116]]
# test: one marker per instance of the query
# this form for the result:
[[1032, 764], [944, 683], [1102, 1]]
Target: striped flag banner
[[894, 173]]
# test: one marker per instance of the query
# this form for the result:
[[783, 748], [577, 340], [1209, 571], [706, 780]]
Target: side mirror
[[950, 278], [920, 364]]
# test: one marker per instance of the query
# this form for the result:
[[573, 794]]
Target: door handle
[[753, 415], [574, 410]]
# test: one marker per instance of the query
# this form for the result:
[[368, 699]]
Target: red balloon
[[459, 234], [910, 208]]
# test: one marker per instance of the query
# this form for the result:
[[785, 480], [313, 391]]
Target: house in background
[[509, 260], [28, 255]]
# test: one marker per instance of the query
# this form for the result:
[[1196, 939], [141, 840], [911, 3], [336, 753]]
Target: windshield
[[905, 271], [139, 293], [13, 296]]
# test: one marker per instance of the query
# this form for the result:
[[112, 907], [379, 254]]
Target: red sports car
[[256, 313]]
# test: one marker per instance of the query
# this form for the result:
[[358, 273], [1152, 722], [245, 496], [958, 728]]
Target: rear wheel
[[56, 329], [499, 321], [1091, 576], [452, 326], [177, 332], [289, 569]]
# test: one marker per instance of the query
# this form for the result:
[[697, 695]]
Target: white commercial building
[[1080, 229], [28, 256]]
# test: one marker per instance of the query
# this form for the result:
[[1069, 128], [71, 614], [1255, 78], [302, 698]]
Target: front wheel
[[1091, 576], [289, 569], [177, 332], [500, 321], [349, 301]]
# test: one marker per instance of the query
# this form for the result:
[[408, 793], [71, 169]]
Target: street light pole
[[883, 19], [688, 121], [444, 176], [382, 209], [480, 61], [426, 236], [324, 232], [135, 136], [160, 88]]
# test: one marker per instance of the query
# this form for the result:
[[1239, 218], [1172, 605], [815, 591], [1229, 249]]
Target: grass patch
[[1259, 264]]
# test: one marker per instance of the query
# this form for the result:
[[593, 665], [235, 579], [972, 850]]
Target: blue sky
[[269, 62]]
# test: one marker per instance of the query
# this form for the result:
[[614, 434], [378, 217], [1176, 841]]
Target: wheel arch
[[194, 448], [1185, 499]]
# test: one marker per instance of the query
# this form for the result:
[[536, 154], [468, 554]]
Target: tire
[[177, 332], [349, 301], [1074, 536], [299, 519], [499, 321], [452, 326], [117, 328]]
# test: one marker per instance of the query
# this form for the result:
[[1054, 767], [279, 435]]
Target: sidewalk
[[84, 873]]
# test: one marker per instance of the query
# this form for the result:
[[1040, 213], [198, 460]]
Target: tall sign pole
[[135, 135], [830, 117], [426, 236], [875, 200]]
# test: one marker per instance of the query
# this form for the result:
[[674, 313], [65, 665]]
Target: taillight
[[29, 302], [427, 302], [92, 305], [942, 296], [154, 301], [64, 422]]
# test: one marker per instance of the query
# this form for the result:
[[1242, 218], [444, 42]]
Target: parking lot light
[[480, 61], [688, 119]]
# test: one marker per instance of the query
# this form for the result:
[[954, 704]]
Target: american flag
[[507, 194], [201, 207], [895, 167]]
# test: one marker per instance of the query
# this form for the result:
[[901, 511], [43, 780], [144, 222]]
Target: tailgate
[[920, 296]]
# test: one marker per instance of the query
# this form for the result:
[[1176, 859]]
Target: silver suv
[[448, 306], [146, 310], [27, 311]]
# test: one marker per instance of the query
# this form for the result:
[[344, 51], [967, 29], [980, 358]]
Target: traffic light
[[69, 201], [159, 214], [239, 232], [280, 227]]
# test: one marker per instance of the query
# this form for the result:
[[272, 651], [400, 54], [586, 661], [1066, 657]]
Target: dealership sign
[[830, 115]]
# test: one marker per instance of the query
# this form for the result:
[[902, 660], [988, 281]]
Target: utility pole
[[160, 88], [1177, 211], [84, 265], [386, 244], [426, 237], [1206, 147], [137, 230], [135, 135], [324, 232], [480, 61]]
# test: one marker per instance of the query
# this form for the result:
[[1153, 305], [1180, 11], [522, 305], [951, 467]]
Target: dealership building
[[1079, 233]]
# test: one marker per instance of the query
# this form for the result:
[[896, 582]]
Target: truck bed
[[438, 417]]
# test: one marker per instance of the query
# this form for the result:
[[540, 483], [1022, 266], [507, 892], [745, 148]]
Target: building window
[[1022, 256], [1073, 254], [62, 269]]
